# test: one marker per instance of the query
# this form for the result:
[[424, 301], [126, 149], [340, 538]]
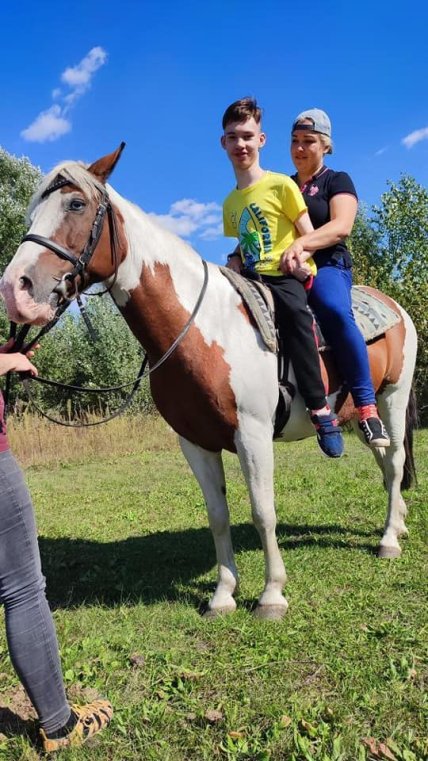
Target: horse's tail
[[409, 472]]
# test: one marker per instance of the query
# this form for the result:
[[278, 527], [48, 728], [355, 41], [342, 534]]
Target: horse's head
[[75, 239]]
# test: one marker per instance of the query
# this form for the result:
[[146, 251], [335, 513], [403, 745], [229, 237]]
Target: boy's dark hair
[[241, 110]]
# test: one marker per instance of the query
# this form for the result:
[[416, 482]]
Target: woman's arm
[[343, 210], [293, 259]]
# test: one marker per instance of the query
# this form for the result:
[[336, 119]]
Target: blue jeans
[[330, 299], [30, 630]]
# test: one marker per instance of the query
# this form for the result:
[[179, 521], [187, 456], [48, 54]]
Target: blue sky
[[78, 78]]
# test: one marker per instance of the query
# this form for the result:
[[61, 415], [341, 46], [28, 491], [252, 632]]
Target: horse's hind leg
[[255, 451], [379, 455], [208, 470], [392, 407]]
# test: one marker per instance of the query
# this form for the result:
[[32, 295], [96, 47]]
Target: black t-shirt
[[317, 193]]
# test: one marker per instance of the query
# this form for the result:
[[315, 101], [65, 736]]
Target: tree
[[18, 181], [390, 251]]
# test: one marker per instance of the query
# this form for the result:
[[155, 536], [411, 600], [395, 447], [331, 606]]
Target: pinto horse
[[219, 388]]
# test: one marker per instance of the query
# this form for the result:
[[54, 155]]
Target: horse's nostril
[[25, 282]]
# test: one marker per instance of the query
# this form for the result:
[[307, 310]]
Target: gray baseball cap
[[321, 122]]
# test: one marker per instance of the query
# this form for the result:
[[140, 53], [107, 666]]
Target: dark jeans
[[296, 329], [29, 626], [330, 298]]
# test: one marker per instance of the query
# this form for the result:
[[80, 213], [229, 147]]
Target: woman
[[29, 626], [332, 204]]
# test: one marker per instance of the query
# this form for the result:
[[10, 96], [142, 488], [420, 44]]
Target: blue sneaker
[[329, 434]]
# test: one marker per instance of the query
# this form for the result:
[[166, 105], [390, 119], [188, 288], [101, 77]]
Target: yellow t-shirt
[[262, 217]]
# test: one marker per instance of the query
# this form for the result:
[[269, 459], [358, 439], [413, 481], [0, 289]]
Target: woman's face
[[307, 151]]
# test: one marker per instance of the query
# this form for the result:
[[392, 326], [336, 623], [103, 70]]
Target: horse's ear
[[102, 168]]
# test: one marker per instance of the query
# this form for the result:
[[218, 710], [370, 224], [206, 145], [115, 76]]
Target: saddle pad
[[372, 315], [258, 298]]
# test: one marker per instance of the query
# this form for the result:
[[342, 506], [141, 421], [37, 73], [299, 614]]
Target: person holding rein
[[332, 204], [30, 629], [266, 213]]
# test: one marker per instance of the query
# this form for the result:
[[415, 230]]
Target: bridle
[[80, 264]]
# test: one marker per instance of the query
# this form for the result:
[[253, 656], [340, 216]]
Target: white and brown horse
[[219, 388]]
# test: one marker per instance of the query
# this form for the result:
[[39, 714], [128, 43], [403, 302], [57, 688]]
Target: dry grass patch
[[37, 442]]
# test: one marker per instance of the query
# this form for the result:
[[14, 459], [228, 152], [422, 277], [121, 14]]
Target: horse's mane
[[158, 240], [77, 173]]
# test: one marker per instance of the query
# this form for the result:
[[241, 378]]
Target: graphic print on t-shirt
[[254, 235]]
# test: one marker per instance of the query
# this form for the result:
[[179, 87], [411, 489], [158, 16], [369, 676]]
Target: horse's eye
[[76, 204]]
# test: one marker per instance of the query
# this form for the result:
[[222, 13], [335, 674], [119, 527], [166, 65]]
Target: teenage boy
[[266, 213]]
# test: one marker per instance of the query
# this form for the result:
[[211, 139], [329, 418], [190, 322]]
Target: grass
[[129, 559]]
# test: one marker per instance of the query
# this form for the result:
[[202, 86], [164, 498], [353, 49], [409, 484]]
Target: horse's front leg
[[208, 470], [255, 451]]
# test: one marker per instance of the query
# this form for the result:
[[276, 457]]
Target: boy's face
[[242, 142]]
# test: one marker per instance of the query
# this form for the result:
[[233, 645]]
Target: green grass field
[[129, 560]]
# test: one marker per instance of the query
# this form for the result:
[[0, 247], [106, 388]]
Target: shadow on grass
[[152, 568], [12, 724]]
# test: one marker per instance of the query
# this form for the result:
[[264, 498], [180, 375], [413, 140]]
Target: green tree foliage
[[390, 252], [18, 181]]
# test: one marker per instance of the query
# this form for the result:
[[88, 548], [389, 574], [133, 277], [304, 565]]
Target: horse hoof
[[270, 612], [212, 613], [388, 552]]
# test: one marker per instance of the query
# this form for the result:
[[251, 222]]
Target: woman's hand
[[15, 361]]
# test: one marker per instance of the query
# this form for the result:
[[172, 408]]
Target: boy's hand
[[234, 263], [302, 273]]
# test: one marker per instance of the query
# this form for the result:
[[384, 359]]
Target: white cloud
[[52, 123], [211, 233], [49, 125], [415, 137], [189, 217], [182, 226], [79, 77], [381, 151]]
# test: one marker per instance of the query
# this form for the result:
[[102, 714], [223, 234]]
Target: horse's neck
[[158, 282]]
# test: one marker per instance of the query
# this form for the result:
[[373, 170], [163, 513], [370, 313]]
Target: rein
[[107, 389], [79, 266]]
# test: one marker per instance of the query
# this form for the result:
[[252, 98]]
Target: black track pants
[[295, 325]]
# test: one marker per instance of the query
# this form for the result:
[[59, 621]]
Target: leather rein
[[79, 270]]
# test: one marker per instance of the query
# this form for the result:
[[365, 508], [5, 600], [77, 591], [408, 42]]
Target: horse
[[218, 388]]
